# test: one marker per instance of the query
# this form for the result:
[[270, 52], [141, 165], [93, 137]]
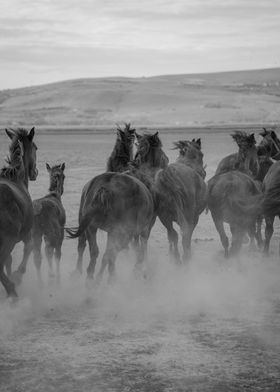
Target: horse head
[[270, 144], [247, 154], [149, 151], [57, 177], [29, 149], [190, 154], [126, 134]]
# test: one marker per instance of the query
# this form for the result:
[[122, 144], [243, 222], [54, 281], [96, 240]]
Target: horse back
[[227, 163], [49, 211], [182, 191], [117, 199]]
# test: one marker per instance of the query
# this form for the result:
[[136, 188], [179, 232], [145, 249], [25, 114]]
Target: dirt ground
[[211, 326]]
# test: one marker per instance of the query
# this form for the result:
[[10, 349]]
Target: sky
[[42, 41]]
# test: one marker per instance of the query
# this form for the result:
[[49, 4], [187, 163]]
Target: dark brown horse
[[182, 195], [49, 221], [180, 187], [118, 161], [235, 198], [16, 212], [122, 206]]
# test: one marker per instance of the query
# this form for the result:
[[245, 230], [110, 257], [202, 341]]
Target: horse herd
[[136, 189]]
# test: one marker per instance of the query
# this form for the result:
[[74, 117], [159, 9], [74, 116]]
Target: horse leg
[[172, 239], [37, 255], [8, 265], [258, 235], [252, 235], [49, 251], [142, 249], [81, 248], [237, 236], [219, 224], [93, 250], [109, 257], [269, 220], [28, 246], [6, 282]]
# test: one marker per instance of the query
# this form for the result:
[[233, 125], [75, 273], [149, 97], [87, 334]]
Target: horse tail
[[100, 206], [172, 191], [271, 202]]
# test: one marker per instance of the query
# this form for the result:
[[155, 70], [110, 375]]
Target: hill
[[241, 97]]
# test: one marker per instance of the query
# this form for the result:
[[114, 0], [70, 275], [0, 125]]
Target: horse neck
[[193, 163], [243, 160], [56, 190], [122, 154]]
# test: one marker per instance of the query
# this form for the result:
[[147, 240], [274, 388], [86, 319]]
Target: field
[[211, 326], [241, 97]]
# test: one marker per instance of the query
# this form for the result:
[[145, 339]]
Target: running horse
[[235, 197], [16, 212], [119, 204], [118, 161], [49, 221], [180, 187]]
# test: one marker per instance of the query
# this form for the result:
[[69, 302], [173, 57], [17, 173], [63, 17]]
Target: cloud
[[48, 30]]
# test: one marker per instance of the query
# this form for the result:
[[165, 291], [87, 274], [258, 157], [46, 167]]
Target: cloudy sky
[[49, 40]]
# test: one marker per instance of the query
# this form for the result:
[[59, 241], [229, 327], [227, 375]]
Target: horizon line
[[140, 77]]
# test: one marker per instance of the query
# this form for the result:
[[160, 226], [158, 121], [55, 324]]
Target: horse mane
[[150, 152], [243, 140], [15, 169]]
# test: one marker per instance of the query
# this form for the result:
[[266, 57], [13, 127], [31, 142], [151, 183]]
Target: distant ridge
[[225, 98]]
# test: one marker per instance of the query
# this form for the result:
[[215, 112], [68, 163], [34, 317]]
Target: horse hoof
[[16, 278]]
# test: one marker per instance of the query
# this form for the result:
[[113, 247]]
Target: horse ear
[[273, 135], [198, 141], [48, 167], [31, 134], [62, 166], [155, 134], [10, 133]]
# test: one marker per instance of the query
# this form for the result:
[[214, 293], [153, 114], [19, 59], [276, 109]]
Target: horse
[[16, 212], [183, 195], [235, 198], [122, 153], [180, 187], [246, 157], [49, 221], [118, 161], [121, 205]]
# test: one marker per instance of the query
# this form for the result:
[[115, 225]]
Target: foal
[[49, 221]]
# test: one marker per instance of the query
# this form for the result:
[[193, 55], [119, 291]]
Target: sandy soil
[[212, 326]]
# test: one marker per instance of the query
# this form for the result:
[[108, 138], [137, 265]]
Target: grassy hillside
[[245, 97]]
